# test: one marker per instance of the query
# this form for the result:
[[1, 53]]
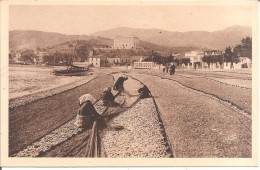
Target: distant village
[[126, 51]]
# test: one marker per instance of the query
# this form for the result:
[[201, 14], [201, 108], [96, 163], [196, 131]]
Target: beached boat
[[72, 71]]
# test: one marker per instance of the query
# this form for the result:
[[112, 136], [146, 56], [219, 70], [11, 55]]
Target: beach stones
[[141, 136]]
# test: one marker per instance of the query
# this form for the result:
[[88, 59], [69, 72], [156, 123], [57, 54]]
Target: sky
[[93, 18]]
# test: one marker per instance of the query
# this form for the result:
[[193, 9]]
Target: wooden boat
[[72, 71]]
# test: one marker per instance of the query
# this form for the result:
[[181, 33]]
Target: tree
[[157, 59], [28, 56], [245, 48], [154, 57], [148, 59], [82, 52], [67, 58], [177, 60], [165, 60], [216, 59], [171, 58], [185, 61], [10, 57], [57, 58], [220, 59], [207, 59], [231, 56], [49, 59]]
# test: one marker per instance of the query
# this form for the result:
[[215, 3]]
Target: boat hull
[[67, 73]]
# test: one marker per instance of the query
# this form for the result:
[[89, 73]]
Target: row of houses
[[97, 57], [103, 60], [196, 61], [39, 56], [107, 57]]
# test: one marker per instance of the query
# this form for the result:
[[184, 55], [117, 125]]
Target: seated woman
[[107, 97], [87, 114], [144, 92]]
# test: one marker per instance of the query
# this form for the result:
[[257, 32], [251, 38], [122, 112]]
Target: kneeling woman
[[87, 113]]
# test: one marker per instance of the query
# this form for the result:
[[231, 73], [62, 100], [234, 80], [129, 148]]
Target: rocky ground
[[141, 133]]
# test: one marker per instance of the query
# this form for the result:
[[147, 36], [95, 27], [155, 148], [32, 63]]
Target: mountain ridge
[[231, 36], [220, 39]]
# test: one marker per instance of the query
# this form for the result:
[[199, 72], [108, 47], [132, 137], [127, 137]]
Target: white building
[[17, 56], [195, 58], [113, 60], [144, 65], [41, 54], [244, 63], [95, 60], [126, 42]]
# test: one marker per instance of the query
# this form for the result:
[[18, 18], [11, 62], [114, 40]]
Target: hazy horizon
[[78, 20], [130, 28]]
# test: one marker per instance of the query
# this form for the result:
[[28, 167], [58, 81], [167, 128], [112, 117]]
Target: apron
[[85, 117]]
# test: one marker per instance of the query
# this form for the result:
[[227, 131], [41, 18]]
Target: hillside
[[151, 46], [21, 39], [201, 39], [154, 39]]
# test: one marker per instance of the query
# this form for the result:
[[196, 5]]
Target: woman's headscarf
[[85, 98], [107, 89]]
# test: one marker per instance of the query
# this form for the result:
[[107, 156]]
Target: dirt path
[[30, 122], [196, 125]]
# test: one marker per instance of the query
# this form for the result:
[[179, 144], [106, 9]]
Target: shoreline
[[44, 93]]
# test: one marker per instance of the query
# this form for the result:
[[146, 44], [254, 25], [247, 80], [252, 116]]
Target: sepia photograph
[[142, 79]]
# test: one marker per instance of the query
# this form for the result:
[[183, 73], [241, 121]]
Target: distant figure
[[167, 69], [119, 85], [144, 92], [172, 69], [163, 69], [107, 97], [87, 114]]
